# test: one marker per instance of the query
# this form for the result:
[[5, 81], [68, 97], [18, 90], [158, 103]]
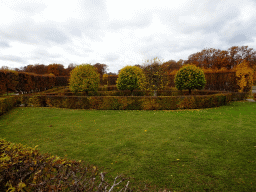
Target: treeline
[[159, 74], [57, 69], [207, 58]]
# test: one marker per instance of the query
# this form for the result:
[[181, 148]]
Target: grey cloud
[[53, 34], [43, 53], [4, 44], [207, 18], [12, 58], [137, 21], [30, 32], [28, 7], [112, 57], [238, 39]]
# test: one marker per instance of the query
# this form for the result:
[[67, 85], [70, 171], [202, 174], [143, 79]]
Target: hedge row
[[223, 81], [128, 93], [131, 103], [8, 103], [25, 169], [12, 81]]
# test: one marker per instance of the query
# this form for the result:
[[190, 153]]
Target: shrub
[[254, 96], [190, 77], [244, 75], [130, 78], [84, 78], [7, 103], [25, 169]]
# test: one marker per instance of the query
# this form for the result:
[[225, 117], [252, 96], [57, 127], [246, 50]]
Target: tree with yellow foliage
[[84, 78], [244, 75], [130, 78]]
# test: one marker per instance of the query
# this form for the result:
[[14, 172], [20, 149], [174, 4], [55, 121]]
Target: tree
[[130, 78], [84, 78], [101, 69], [244, 74], [56, 69], [71, 66], [171, 65], [156, 76], [190, 77]]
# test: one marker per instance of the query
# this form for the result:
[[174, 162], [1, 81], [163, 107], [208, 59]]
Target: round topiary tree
[[130, 78], [84, 78], [190, 77]]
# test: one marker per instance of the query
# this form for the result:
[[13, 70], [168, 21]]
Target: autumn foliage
[[84, 78], [26, 169], [244, 74], [130, 78], [190, 77], [8, 81]]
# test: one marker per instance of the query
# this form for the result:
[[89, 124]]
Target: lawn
[[184, 150]]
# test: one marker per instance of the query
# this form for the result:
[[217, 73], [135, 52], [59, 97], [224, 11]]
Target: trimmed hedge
[[130, 102], [7, 103], [25, 169]]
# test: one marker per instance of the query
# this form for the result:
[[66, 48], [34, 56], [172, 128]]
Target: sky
[[120, 33]]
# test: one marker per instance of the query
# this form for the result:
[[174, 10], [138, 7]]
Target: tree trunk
[[155, 93], [189, 91]]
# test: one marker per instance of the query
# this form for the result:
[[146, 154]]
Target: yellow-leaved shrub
[[244, 75]]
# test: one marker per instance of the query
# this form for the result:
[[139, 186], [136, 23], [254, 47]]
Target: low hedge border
[[67, 92], [25, 169], [129, 102], [7, 103]]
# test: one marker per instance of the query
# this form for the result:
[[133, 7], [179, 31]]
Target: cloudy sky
[[120, 33]]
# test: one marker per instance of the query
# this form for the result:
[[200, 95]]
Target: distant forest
[[207, 58]]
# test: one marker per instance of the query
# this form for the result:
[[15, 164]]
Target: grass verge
[[184, 150]]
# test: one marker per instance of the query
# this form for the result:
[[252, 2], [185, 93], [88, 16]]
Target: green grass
[[185, 150]]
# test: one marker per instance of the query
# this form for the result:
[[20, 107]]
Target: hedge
[[131, 102], [25, 169], [7, 103]]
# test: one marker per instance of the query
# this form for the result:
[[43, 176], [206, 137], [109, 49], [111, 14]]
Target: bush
[[130, 78], [25, 169], [254, 96], [7, 103], [244, 75], [190, 77], [84, 78], [135, 103]]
